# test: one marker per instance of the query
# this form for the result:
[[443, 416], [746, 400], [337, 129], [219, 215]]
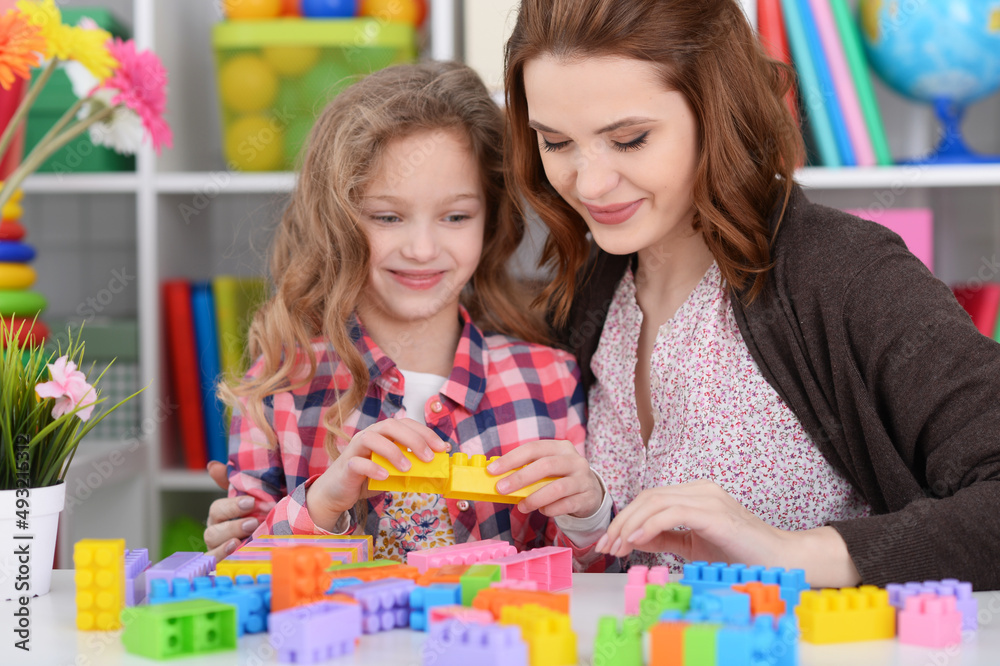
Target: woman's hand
[[701, 521], [341, 485], [577, 492], [228, 523]]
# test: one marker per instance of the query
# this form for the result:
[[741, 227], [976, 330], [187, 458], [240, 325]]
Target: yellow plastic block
[[471, 481], [423, 477], [550, 638], [846, 615], [100, 583], [238, 568]]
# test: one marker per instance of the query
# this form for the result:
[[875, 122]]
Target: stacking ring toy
[[21, 303], [16, 276], [15, 252], [26, 333], [11, 231]]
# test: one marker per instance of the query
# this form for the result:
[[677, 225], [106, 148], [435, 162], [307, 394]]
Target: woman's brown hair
[[707, 51], [320, 256]]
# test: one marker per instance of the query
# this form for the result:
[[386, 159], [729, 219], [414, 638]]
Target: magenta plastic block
[[962, 591], [453, 643], [314, 632], [470, 552], [929, 620], [422, 599], [385, 604], [638, 578], [136, 563], [180, 565], [551, 567], [462, 613], [702, 576]]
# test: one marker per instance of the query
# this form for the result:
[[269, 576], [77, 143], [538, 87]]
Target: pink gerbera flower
[[140, 83], [70, 389]]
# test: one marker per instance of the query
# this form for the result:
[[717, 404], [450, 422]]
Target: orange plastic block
[[299, 576], [377, 573], [550, 638], [100, 583], [450, 573], [667, 643], [471, 481], [234, 568], [763, 598], [423, 477], [495, 599], [846, 615]]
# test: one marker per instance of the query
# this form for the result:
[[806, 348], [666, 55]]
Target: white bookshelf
[[236, 211]]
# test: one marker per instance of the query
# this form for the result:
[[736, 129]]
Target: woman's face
[[618, 147]]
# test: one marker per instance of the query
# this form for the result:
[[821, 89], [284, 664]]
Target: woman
[[769, 381]]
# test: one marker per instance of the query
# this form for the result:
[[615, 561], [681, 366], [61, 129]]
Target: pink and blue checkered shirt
[[500, 394]]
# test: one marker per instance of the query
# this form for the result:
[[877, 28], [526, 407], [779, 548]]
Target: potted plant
[[47, 406]]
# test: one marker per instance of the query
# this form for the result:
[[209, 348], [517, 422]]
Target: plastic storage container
[[57, 97], [275, 78]]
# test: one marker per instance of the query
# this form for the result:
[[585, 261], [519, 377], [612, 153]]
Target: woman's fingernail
[[249, 524], [246, 503], [618, 544], [601, 543], [230, 547], [502, 487], [635, 536]]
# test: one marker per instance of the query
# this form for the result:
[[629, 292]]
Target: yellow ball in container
[[252, 9], [397, 11], [255, 143], [290, 60], [247, 84]]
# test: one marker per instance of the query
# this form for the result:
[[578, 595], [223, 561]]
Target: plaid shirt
[[500, 394]]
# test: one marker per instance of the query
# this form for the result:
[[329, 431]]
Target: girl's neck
[[425, 345]]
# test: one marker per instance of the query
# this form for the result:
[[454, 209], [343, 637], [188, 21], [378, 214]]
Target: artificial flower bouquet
[[121, 92], [47, 405]]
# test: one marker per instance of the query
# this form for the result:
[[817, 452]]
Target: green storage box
[[275, 78], [80, 155]]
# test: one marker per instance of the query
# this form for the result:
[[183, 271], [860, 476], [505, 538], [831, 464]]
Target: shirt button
[[463, 505], [436, 408]]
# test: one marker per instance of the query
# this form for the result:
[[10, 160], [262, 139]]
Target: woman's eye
[[634, 144], [551, 147], [457, 217]]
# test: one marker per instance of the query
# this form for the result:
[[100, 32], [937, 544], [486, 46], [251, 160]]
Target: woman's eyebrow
[[618, 124]]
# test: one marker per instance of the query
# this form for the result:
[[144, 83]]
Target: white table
[[56, 642]]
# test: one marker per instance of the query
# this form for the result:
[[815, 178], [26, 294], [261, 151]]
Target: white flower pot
[[26, 551]]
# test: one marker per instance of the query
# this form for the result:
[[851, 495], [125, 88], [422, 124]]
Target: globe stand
[[951, 148]]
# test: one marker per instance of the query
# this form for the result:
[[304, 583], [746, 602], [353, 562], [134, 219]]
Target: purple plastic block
[[180, 565], [385, 604], [315, 632], [454, 643], [551, 567], [136, 563], [965, 603]]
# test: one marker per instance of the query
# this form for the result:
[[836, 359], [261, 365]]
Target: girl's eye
[[634, 144], [386, 219], [552, 147]]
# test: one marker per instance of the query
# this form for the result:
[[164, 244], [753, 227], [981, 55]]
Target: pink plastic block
[[551, 567], [514, 584], [638, 578], [461, 613], [470, 552], [930, 620], [914, 225], [951, 587]]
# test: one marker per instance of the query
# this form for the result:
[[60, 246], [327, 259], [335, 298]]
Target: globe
[[943, 52]]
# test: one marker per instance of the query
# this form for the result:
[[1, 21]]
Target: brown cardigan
[[886, 373]]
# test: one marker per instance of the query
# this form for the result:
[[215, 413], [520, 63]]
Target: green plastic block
[[165, 631], [671, 596], [341, 566], [700, 645], [478, 577], [618, 645]]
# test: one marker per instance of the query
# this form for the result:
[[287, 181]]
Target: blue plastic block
[[760, 644], [726, 606], [454, 643], [422, 599], [251, 612], [338, 583], [702, 577]]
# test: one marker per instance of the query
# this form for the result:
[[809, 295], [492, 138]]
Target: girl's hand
[[701, 521], [228, 523], [577, 492], [341, 485]]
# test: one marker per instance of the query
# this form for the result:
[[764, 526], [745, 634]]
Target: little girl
[[391, 253]]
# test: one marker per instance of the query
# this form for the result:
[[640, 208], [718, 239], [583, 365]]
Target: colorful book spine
[[914, 225], [857, 130], [829, 97], [183, 363], [236, 299], [811, 93], [771, 27], [203, 306], [982, 302], [851, 39]]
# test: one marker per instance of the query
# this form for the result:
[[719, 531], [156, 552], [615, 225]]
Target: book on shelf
[[982, 302], [236, 301], [216, 426], [774, 39], [182, 361], [914, 225]]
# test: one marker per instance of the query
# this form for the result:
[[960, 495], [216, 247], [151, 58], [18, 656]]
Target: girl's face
[[424, 214], [617, 146]]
